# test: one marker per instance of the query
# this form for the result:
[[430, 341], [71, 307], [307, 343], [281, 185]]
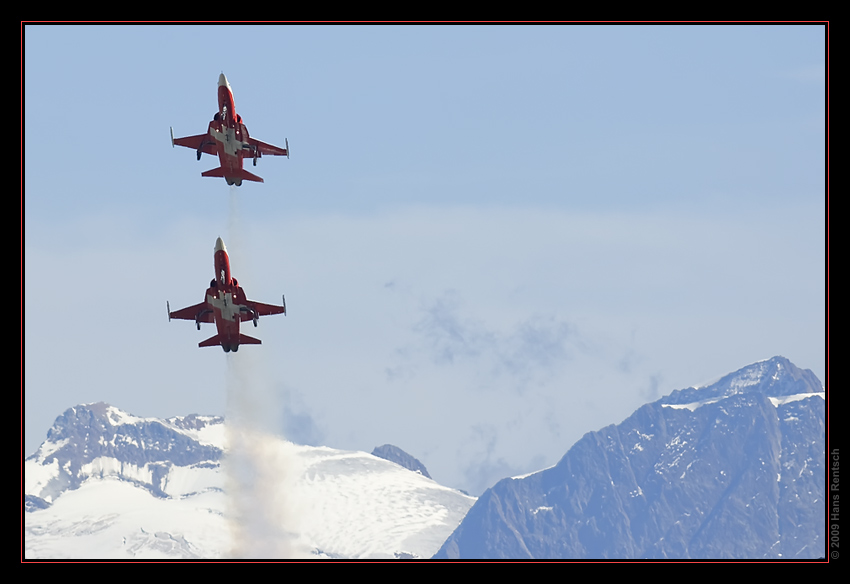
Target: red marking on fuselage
[[229, 133], [222, 269], [226, 297]]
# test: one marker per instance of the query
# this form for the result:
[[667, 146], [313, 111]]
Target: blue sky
[[492, 239]]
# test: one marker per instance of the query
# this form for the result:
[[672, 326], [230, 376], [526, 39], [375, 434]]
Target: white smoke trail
[[235, 233], [259, 468]]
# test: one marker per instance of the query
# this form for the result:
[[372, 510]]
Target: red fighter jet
[[228, 137], [227, 306]]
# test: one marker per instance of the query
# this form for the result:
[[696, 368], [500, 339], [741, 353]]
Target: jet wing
[[199, 313], [201, 142], [268, 149], [263, 309]]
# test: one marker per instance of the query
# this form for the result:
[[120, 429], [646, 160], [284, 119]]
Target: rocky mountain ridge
[[734, 469]]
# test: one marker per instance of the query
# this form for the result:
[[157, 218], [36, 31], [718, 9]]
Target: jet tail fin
[[248, 176], [213, 341], [214, 172], [232, 176]]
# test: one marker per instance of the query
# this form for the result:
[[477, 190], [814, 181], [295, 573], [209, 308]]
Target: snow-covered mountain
[[734, 469], [106, 484]]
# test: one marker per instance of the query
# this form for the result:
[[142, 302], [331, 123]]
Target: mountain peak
[[400, 457], [774, 377], [86, 435]]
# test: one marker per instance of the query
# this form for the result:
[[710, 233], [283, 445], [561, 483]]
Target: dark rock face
[[85, 433], [33, 503], [400, 457], [733, 470]]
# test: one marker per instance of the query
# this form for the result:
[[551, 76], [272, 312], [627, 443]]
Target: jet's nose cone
[[222, 81], [219, 245]]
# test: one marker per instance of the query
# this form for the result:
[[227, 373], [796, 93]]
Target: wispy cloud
[[298, 423], [651, 391], [486, 465], [449, 336], [533, 349], [539, 344]]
